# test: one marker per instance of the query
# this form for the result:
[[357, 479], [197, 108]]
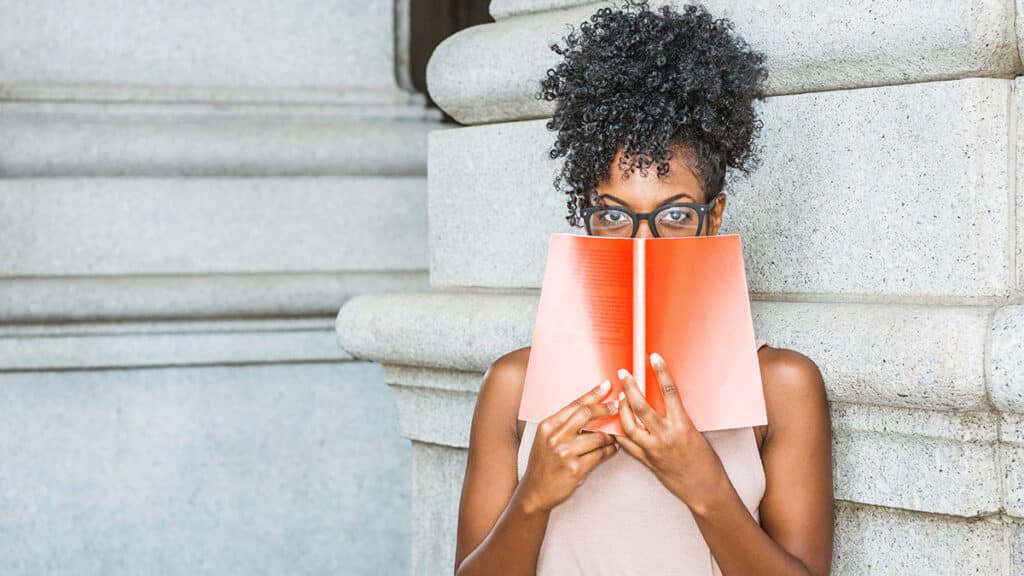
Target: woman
[[641, 88]]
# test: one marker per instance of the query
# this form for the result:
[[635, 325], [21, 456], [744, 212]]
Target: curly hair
[[650, 82]]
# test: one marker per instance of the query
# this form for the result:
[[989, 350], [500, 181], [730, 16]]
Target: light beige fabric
[[623, 521]]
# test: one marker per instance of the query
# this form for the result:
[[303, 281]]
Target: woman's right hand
[[562, 454]]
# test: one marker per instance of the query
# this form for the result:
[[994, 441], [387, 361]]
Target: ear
[[714, 218]]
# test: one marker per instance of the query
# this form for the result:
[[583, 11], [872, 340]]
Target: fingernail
[[614, 407], [656, 359], [623, 373], [622, 396], [605, 386]]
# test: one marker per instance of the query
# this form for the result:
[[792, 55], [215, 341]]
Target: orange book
[[606, 303]]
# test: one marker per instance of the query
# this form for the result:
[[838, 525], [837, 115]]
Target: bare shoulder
[[491, 463], [502, 389], [793, 389], [511, 363], [789, 372], [797, 507]]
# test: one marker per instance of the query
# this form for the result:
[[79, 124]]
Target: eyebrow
[[662, 203]]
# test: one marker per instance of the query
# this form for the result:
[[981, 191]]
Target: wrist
[[714, 500], [526, 504]]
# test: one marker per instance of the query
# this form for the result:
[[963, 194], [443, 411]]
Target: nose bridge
[[643, 230]]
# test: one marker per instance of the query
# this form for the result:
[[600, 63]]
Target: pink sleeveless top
[[622, 519]]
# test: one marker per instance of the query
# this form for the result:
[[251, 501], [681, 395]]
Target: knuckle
[[587, 410], [551, 442], [669, 389], [668, 438], [562, 451], [545, 428]]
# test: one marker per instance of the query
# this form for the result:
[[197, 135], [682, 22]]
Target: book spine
[[639, 315]]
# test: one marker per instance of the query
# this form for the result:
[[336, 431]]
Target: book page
[[698, 318], [583, 329]]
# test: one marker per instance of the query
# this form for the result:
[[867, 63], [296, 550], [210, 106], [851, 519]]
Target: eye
[[677, 214], [608, 220], [678, 217]]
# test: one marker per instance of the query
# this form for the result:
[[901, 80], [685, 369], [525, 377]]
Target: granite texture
[[491, 72], [188, 193], [97, 345], [914, 356], [166, 297], [909, 356], [46, 139], [291, 468], [1006, 359], [928, 544], [128, 226], [812, 218], [882, 239], [1016, 229], [452, 330], [437, 483], [1011, 462], [115, 50], [879, 541], [922, 460]]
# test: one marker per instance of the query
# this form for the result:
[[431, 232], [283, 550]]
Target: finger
[[674, 408], [593, 395], [588, 441], [630, 425], [595, 457], [637, 403], [631, 447], [578, 419]]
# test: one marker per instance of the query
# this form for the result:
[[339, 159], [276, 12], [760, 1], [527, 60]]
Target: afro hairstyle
[[651, 82]]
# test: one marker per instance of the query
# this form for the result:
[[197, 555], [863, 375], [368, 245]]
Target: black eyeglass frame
[[702, 211]]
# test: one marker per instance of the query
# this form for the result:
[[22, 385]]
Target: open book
[[606, 303]]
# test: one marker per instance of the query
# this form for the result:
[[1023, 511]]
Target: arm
[[502, 520], [796, 530], [795, 535], [499, 532]]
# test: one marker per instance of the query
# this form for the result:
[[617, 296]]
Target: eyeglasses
[[680, 219]]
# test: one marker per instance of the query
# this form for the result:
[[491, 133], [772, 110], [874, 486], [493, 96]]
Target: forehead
[[636, 188]]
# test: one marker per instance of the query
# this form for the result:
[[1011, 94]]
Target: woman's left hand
[[669, 445]]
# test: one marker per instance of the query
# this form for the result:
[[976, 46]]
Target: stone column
[[882, 235], [188, 193]]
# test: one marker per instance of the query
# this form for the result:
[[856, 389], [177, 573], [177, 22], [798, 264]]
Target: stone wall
[[188, 193], [882, 236]]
